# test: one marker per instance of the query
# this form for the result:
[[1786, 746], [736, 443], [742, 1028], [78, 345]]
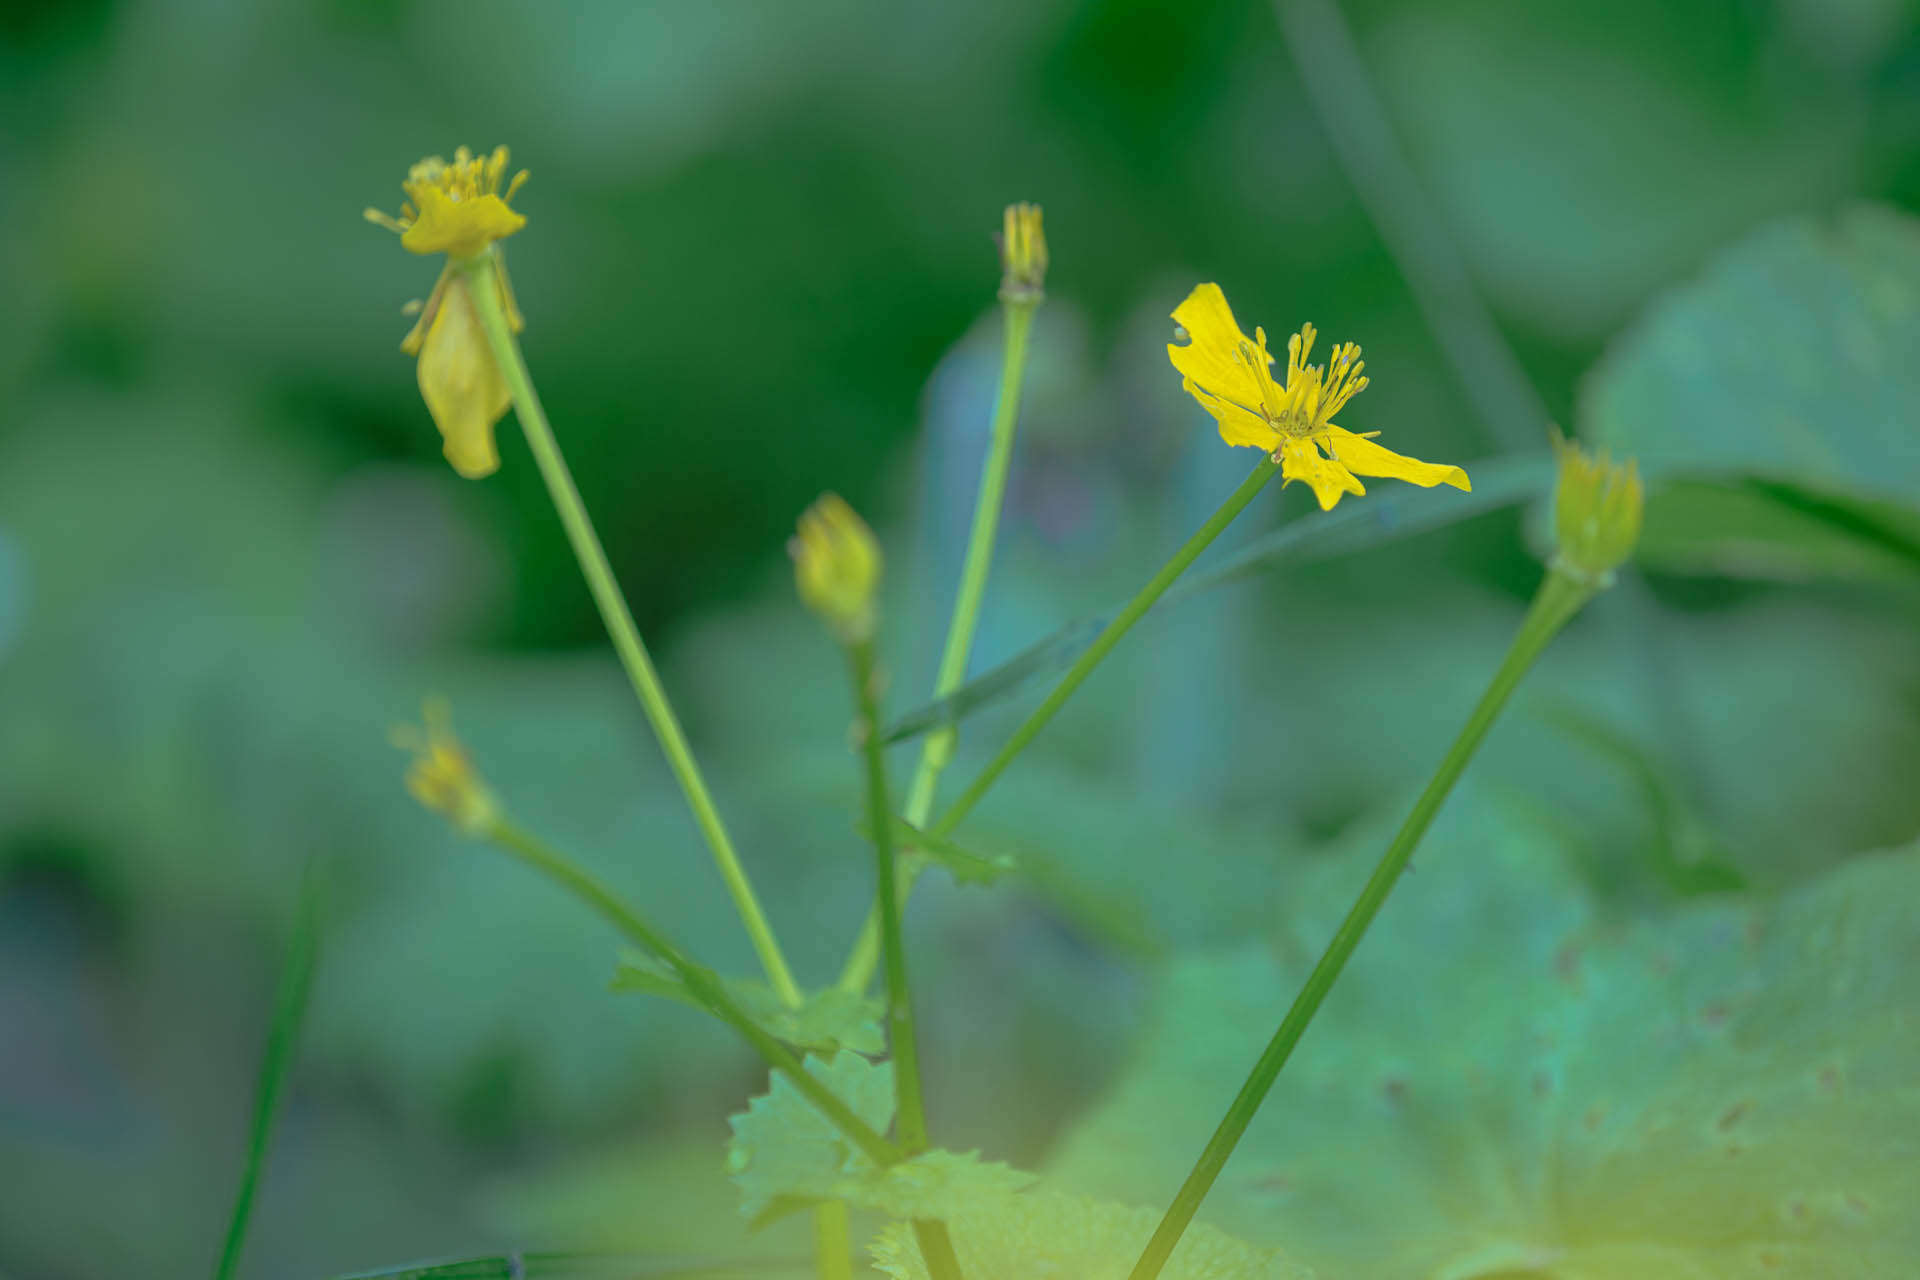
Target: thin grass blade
[[1356, 526]]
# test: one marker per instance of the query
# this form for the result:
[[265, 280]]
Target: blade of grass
[[289, 1010], [1385, 518]]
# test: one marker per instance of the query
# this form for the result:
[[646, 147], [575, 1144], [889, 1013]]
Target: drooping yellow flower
[[1597, 506], [442, 776], [459, 378], [1023, 254], [460, 210], [1227, 373], [836, 566]]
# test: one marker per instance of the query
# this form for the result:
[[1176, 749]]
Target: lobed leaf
[[783, 1150]]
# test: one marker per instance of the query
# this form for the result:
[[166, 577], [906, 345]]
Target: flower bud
[[836, 565], [442, 776], [1596, 513], [1023, 255]]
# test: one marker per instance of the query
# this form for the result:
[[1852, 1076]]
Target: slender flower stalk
[[901, 1037], [832, 1241], [836, 567], [938, 750], [1135, 609], [1597, 519], [936, 1245], [700, 981], [619, 619], [1023, 258]]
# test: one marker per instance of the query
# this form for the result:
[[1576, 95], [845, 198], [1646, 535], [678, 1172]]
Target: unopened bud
[[442, 776], [1023, 255], [1596, 513], [836, 565]]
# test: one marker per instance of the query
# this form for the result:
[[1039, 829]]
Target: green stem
[[1135, 609], [289, 1008], [700, 981], [901, 1038], [937, 751], [832, 1241], [1558, 599], [936, 1246], [482, 276]]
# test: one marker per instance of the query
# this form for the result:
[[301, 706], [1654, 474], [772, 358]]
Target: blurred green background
[[758, 265]]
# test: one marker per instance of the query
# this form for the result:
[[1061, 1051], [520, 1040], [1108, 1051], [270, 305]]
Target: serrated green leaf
[[829, 1019], [826, 1020], [783, 1147], [934, 1184], [937, 1184], [1047, 1236], [786, 1157], [1507, 1081]]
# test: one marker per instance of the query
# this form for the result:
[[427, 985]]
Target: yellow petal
[[461, 383], [1363, 457], [1237, 425], [1212, 358], [459, 227], [1299, 460]]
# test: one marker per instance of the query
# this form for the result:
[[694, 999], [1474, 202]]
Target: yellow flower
[[459, 209], [1596, 513], [442, 777], [836, 566], [1023, 254], [1227, 373]]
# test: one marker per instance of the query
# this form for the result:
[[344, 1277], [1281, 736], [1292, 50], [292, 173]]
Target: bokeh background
[[758, 265]]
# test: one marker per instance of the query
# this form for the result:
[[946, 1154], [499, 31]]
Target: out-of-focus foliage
[[1512, 1078], [1042, 1235], [1789, 365], [230, 555], [1787, 361]]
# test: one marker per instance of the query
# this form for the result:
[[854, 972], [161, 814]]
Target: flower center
[[1295, 420]]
